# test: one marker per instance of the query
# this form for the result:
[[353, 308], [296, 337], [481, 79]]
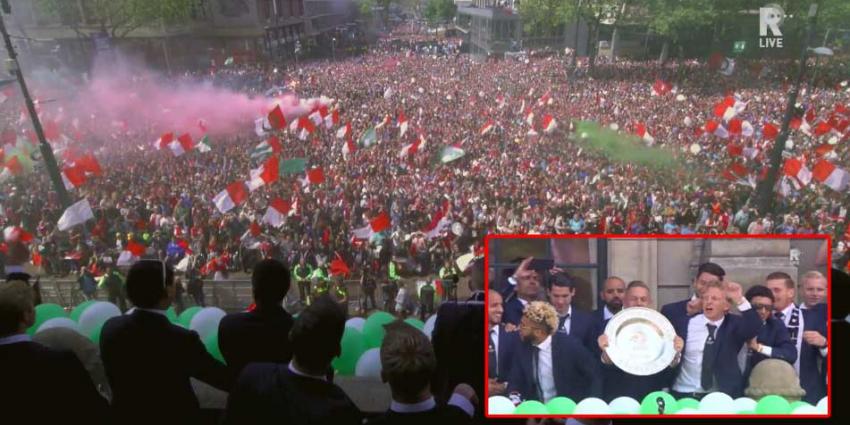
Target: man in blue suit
[[713, 340], [612, 294], [579, 324], [501, 346], [550, 364], [773, 340], [807, 329], [528, 288], [707, 273], [619, 383]]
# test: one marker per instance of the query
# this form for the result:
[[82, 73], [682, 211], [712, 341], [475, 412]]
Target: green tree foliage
[[440, 11], [117, 17]]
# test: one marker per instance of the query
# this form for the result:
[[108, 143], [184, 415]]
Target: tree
[[542, 18], [118, 18], [439, 11], [674, 20], [594, 13]]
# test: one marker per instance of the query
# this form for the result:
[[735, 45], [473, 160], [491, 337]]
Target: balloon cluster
[[87, 318], [361, 343], [711, 404]]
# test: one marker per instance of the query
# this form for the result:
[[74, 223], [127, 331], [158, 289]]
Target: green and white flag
[[293, 166], [451, 153], [368, 138], [203, 145], [261, 152]]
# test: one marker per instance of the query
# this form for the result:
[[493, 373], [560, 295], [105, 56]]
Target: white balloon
[[624, 405], [807, 410], [695, 148], [355, 323], [592, 406], [205, 322], [429, 325], [688, 411], [500, 405], [58, 322], [823, 405], [716, 402], [369, 364], [743, 404], [95, 315]]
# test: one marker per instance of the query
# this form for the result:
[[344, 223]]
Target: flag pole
[[765, 195], [46, 151]]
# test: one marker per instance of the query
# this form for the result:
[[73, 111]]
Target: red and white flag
[[383, 123], [797, 169], [410, 149], [643, 133], [73, 177], [363, 233], [229, 198], [402, 123], [488, 126], [716, 129], [276, 119], [338, 267], [439, 222], [76, 214], [381, 222], [747, 129], [549, 124], [182, 145], [661, 87], [305, 127], [769, 131], [267, 173], [131, 253], [315, 175], [344, 131], [529, 117], [276, 213], [546, 99], [163, 141], [332, 119], [827, 173], [348, 148], [316, 115]]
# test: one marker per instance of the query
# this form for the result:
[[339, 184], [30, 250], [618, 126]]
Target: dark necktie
[[561, 322], [708, 356], [779, 315], [535, 374], [493, 366]]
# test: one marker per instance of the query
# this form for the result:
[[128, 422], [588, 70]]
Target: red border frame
[[827, 238]]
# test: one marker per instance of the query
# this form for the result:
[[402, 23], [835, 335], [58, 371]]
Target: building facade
[[489, 30]]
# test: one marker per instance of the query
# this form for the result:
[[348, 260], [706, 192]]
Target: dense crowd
[[518, 177]]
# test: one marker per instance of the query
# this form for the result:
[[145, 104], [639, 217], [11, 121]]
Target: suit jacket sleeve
[[84, 396], [206, 368], [748, 326], [782, 348], [516, 379], [589, 367]]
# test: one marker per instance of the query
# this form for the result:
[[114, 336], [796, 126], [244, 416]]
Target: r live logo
[[770, 16]]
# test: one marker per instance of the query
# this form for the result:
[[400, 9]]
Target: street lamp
[[46, 151], [818, 51], [333, 48], [765, 191]]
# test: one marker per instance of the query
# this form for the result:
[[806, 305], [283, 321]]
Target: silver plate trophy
[[640, 341]]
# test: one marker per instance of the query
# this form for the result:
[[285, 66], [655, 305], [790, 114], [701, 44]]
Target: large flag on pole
[[233, 195], [277, 212], [74, 215], [451, 153]]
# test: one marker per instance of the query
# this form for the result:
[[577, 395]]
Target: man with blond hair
[[814, 289], [550, 364], [40, 384], [407, 365]]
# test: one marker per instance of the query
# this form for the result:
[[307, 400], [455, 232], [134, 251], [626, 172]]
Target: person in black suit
[[579, 324], [148, 360], [408, 362], [528, 288], [612, 294], [840, 298], [807, 328], [39, 384], [261, 335], [713, 340], [551, 364], [298, 392], [680, 310], [501, 346], [773, 340], [619, 383]]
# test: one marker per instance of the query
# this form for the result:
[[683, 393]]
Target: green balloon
[[773, 405], [186, 316], [649, 406], [688, 402], [373, 329], [171, 314], [797, 404], [45, 312], [747, 412], [79, 309], [95, 335], [560, 406], [531, 407], [353, 346], [416, 323], [211, 344]]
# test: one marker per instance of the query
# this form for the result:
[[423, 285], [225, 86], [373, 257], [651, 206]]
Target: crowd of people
[[715, 350]]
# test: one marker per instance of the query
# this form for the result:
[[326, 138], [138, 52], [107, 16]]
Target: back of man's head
[[270, 282], [407, 361], [316, 335], [15, 306], [146, 283]]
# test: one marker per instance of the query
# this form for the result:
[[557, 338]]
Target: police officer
[[302, 273]]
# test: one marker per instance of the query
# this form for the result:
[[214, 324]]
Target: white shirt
[[429, 404], [14, 339], [544, 370], [566, 326], [690, 377], [494, 331], [295, 370], [606, 314]]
